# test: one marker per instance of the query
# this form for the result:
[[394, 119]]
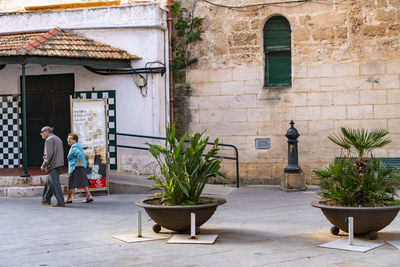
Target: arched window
[[278, 69]]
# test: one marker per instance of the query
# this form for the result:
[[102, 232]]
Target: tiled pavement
[[258, 226]]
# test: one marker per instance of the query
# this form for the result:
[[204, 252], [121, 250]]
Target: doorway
[[47, 103]]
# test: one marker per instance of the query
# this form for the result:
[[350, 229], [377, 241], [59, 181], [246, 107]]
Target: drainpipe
[[171, 77], [166, 82], [24, 130]]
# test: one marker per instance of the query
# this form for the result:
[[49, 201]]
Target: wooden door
[[47, 103]]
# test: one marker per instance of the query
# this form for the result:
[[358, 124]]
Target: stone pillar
[[292, 177]]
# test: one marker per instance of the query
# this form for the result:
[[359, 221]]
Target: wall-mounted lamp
[[141, 82]]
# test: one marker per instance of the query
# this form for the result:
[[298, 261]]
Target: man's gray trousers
[[52, 186]]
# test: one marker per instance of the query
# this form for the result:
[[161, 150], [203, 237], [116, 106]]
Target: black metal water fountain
[[292, 178]]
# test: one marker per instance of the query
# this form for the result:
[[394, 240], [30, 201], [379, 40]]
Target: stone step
[[14, 180], [32, 180], [25, 191], [14, 186]]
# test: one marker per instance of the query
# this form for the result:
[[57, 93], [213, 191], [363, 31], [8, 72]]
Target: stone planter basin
[[367, 220], [177, 218]]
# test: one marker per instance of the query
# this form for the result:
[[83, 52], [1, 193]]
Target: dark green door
[[47, 103]]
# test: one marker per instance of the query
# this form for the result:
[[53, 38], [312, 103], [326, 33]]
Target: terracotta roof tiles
[[58, 43]]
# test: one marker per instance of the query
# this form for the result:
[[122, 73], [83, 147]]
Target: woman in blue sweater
[[77, 169]]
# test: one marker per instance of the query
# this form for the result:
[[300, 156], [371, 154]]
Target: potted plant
[[185, 170], [358, 185]]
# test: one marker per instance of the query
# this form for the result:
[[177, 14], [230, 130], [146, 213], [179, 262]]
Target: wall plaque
[[263, 143]]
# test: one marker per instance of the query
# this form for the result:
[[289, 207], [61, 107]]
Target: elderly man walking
[[53, 160]]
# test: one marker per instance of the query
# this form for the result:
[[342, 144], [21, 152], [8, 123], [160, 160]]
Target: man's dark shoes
[[44, 202], [57, 205]]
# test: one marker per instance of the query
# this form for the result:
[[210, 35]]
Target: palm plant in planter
[[358, 185], [185, 170]]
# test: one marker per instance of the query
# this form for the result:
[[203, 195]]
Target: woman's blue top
[[75, 153]]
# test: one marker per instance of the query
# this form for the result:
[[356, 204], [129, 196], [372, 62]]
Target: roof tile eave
[[56, 43]]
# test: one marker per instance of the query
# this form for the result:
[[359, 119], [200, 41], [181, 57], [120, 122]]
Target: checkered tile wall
[[10, 142], [112, 128]]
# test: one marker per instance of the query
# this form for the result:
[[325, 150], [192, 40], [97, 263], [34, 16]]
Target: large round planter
[[177, 218], [367, 220]]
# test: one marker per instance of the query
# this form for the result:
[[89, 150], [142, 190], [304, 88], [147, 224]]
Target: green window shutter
[[278, 67]]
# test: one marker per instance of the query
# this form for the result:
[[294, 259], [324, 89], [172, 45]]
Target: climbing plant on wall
[[187, 29]]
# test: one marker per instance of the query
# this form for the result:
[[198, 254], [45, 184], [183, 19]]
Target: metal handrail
[[236, 158]]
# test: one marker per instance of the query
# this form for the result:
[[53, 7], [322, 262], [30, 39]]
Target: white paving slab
[[394, 243], [187, 239], [358, 245], [146, 236]]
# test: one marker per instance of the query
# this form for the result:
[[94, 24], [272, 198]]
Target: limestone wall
[[345, 72]]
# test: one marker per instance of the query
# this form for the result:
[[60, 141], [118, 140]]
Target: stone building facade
[[345, 69]]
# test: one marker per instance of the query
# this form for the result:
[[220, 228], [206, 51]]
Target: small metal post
[[351, 230], [193, 225], [139, 228], [237, 165]]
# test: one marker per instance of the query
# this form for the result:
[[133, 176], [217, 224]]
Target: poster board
[[89, 122]]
